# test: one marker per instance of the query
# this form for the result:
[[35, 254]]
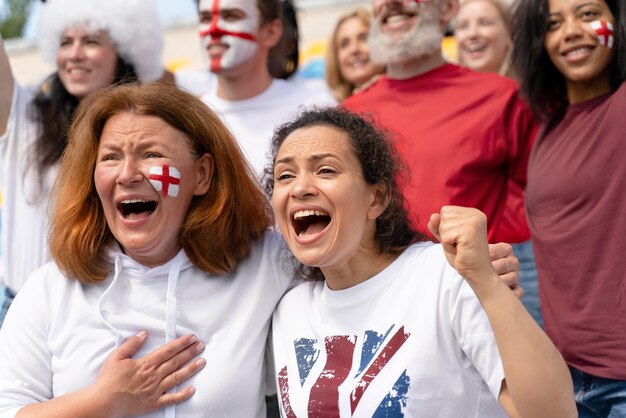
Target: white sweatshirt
[[59, 332]]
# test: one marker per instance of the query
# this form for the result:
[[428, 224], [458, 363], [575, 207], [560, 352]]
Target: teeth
[[396, 18], [304, 213], [475, 48], [577, 51], [129, 201]]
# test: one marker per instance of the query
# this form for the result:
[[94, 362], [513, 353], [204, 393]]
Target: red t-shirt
[[576, 203], [464, 136]]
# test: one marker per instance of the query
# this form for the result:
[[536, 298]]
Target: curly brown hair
[[379, 162]]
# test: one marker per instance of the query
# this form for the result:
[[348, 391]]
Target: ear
[[270, 33], [381, 197], [204, 174], [447, 12]]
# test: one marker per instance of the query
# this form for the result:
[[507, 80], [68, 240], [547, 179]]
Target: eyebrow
[[314, 157], [580, 6]]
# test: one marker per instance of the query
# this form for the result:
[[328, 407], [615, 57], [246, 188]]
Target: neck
[[581, 92], [244, 85], [415, 67], [366, 264]]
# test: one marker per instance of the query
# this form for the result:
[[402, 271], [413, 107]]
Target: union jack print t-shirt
[[413, 341]]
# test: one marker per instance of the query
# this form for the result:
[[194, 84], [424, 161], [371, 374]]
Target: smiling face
[[146, 222], [482, 36], [229, 29], [86, 60], [353, 55], [404, 30], [574, 47], [325, 209]]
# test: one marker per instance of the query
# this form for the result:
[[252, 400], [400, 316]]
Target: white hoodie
[[59, 332]]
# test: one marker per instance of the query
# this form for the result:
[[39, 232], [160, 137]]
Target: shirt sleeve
[[521, 127], [25, 360], [473, 331]]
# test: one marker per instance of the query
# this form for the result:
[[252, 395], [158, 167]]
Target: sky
[[169, 10]]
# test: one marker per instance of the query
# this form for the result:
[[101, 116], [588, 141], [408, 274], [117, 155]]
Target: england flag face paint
[[165, 179], [604, 31], [228, 30]]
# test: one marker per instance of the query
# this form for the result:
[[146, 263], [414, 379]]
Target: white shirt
[[411, 341], [59, 332], [23, 216], [252, 121]]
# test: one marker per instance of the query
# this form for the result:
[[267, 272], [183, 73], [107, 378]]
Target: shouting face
[[228, 29]]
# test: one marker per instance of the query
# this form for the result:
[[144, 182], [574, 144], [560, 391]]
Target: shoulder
[[304, 92]]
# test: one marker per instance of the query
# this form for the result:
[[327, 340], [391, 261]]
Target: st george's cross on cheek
[[165, 179], [604, 30]]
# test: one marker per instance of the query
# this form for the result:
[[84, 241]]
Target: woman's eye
[[553, 24], [153, 155], [589, 14], [326, 170], [108, 157], [283, 176]]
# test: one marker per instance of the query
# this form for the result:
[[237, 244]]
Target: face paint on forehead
[[604, 31], [244, 28], [165, 179]]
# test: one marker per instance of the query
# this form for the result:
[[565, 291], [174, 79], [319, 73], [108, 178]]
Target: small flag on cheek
[[604, 30], [165, 179]]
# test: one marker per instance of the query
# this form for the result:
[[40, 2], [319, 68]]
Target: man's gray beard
[[424, 39]]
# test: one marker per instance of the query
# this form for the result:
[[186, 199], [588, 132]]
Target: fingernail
[[200, 347], [200, 362], [142, 334], [193, 339], [191, 390]]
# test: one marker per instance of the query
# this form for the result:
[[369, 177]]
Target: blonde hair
[[220, 226], [504, 9], [339, 86]]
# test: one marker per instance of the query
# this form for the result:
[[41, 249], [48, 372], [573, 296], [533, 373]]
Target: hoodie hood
[[163, 280]]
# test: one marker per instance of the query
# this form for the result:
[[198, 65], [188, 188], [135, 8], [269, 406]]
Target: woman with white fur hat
[[94, 44]]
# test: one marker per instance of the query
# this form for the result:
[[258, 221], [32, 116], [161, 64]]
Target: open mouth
[[308, 222], [136, 209], [397, 17]]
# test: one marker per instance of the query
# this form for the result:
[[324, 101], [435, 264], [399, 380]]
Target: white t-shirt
[[252, 121], [24, 218], [195, 81], [412, 341], [59, 332]]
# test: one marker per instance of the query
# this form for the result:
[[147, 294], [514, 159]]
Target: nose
[[129, 173], [572, 29], [77, 51], [303, 186]]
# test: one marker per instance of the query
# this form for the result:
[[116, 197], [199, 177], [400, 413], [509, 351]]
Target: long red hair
[[220, 226]]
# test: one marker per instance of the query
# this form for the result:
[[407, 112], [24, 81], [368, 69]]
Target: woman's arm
[[537, 381], [6, 87], [128, 387]]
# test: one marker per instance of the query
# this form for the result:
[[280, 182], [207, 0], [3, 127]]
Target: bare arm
[[528, 356], [6, 87], [127, 386]]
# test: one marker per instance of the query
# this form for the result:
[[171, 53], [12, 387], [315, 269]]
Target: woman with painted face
[[386, 327], [94, 44], [348, 64], [570, 56], [158, 231]]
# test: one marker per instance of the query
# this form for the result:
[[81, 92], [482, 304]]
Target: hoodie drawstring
[[170, 318], [118, 269]]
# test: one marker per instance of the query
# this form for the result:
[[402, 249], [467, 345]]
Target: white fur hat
[[133, 25]]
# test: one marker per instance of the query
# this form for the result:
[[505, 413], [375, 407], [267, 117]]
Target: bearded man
[[465, 136]]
